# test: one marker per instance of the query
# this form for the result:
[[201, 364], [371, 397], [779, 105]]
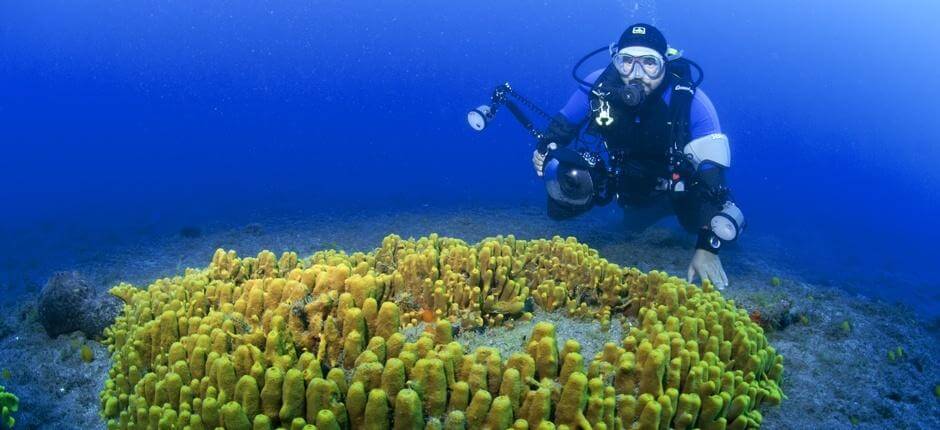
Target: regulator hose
[[574, 71]]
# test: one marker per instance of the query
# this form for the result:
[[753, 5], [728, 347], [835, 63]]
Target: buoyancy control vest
[[644, 142]]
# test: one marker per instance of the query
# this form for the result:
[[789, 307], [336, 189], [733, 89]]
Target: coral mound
[[262, 343]]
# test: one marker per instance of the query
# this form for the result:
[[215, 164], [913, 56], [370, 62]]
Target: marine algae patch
[[263, 343]]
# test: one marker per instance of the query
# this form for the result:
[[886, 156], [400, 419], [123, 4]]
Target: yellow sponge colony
[[264, 343]]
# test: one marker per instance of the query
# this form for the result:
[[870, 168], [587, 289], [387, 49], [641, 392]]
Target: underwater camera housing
[[576, 179]]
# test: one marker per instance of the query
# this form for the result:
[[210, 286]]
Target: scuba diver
[[663, 143]]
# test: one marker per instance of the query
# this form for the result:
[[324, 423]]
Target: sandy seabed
[[837, 371]]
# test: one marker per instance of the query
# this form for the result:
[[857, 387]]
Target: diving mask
[[630, 60]]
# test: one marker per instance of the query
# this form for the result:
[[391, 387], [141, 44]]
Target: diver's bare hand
[[706, 265], [538, 158]]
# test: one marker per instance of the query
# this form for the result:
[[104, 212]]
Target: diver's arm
[[710, 152], [720, 220], [560, 132], [703, 118], [709, 200], [565, 125], [710, 193]]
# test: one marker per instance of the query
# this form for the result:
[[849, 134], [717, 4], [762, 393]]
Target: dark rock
[[190, 232], [528, 305], [5, 330], [27, 313], [775, 314], [68, 303], [253, 229]]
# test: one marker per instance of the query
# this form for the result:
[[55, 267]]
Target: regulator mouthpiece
[[479, 117], [633, 94], [727, 224]]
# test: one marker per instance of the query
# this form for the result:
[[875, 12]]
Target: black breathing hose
[[701, 73], [574, 71]]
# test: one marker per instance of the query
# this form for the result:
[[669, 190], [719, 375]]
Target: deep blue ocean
[[119, 119]]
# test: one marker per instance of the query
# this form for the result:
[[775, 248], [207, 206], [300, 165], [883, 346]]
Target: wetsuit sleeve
[[711, 192], [703, 119], [565, 125]]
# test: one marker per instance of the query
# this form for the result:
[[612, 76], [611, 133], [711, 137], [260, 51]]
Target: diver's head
[[641, 57]]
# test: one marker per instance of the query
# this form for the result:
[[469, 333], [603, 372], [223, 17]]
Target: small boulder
[[775, 314], [68, 303]]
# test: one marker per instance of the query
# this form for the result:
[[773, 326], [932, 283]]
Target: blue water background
[[120, 120]]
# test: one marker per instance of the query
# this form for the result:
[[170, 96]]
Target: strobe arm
[[523, 119], [479, 118]]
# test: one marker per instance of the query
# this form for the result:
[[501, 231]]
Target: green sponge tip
[[8, 405], [87, 354], [846, 327]]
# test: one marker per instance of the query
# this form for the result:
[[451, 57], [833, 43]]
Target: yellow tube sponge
[[408, 414], [687, 411], [500, 414], [650, 416], [393, 377], [234, 417], [293, 399], [651, 380], [570, 410], [388, 321], [573, 362], [326, 420], [356, 404], [546, 357], [456, 420], [261, 422], [434, 388], [287, 342], [376, 413], [459, 396], [247, 394], [271, 393], [512, 387], [478, 409], [210, 412], [320, 395]]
